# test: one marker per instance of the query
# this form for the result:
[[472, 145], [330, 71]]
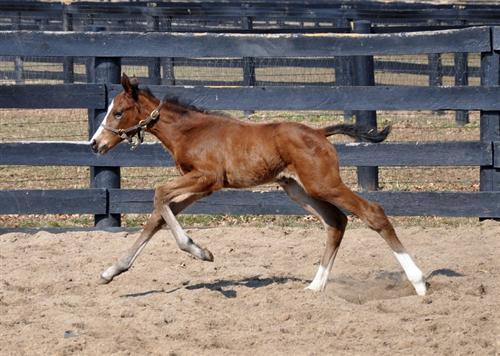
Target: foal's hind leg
[[332, 218], [373, 215], [313, 159]]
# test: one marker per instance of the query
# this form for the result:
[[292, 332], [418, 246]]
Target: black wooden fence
[[216, 15], [250, 16], [106, 200]]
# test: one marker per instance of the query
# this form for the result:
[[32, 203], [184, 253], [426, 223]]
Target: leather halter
[[137, 130]]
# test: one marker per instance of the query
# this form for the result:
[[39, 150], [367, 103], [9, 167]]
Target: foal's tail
[[362, 133]]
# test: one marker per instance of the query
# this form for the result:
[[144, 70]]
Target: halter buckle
[[154, 114]]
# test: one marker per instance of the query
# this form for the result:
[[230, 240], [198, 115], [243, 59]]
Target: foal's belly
[[252, 172]]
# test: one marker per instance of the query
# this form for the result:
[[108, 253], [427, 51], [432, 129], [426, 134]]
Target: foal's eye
[[118, 115]]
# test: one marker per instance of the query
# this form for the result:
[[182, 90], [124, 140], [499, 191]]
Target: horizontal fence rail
[[245, 202], [259, 10], [132, 44], [466, 153], [59, 96], [263, 98], [333, 98], [54, 201], [95, 201], [309, 10]]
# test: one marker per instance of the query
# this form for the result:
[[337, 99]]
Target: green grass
[[211, 221]]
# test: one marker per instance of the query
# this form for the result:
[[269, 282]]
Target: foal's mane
[[178, 105], [176, 102]]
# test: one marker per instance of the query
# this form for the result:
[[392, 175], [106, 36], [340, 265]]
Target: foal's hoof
[[420, 288], [207, 255], [103, 280], [113, 271], [314, 288]]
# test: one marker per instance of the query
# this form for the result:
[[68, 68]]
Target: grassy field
[[71, 125]]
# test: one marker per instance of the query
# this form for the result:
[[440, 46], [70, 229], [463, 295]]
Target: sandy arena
[[251, 300]]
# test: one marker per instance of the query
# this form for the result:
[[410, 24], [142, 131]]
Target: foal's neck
[[165, 128], [147, 105]]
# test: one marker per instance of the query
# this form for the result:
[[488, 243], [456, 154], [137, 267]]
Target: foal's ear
[[130, 86]]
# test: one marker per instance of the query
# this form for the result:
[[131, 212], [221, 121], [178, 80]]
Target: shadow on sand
[[444, 272], [374, 286], [150, 292], [251, 282], [222, 286]]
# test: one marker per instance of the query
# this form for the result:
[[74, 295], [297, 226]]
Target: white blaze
[[100, 129]]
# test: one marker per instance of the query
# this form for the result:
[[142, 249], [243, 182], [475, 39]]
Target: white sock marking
[[320, 279], [414, 274], [100, 128]]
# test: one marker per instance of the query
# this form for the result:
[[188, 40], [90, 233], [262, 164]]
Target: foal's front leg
[[154, 224], [184, 242], [186, 190], [167, 203]]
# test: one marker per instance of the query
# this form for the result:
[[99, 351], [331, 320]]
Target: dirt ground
[[251, 300]]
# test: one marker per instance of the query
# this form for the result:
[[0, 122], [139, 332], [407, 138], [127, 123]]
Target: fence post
[[248, 63], [68, 62], [168, 63], [435, 70], [343, 70], [18, 61], [154, 66], [364, 75], [461, 79], [44, 24], [105, 70], [489, 177], [90, 61], [435, 66]]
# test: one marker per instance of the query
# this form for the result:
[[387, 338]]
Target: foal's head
[[125, 111]]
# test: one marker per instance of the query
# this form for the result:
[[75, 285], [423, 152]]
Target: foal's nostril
[[93, 146]]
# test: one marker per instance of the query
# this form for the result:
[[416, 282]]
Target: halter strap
[[136, 130]]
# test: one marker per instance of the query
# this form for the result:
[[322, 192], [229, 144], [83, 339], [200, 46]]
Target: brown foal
[[214, 151]]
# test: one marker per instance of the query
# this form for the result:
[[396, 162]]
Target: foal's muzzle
[[93, 146], [98, 149]]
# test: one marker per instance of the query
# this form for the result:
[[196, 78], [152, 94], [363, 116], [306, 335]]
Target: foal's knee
[[160, 198]]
